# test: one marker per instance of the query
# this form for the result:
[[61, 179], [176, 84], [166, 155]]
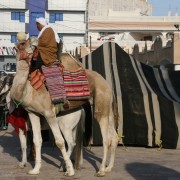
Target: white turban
[[42, 21]]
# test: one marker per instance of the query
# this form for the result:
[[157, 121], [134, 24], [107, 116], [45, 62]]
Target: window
[[1, 59], [35, 15], [55, 17], [18, 16], [13, 38]]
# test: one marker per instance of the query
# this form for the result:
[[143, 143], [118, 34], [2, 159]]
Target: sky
[[161, 7]]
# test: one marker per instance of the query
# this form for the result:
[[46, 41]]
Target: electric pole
[[87, 17]]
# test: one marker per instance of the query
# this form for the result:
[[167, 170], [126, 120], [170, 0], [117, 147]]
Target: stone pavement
[[137, 163]]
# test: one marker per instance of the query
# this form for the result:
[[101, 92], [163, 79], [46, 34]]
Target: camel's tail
[[88, 124], [115, 112]]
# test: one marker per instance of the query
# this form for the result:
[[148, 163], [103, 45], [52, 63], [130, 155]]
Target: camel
[[39, 103], [71, 124]]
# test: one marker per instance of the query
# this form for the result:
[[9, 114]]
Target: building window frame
[[55, 16], [2, 58], [18, 15], [13, 38]]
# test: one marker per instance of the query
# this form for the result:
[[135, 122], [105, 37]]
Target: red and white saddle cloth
[[62, 84], [76, 84]]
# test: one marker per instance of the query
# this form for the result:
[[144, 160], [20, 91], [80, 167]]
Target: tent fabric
[[148, 98]]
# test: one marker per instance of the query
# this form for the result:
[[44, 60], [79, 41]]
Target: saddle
[[62, 84]]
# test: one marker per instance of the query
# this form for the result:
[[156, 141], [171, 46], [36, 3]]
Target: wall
[[70, 5], [160, 52], [14, 4], [176, 46], [111, 7]]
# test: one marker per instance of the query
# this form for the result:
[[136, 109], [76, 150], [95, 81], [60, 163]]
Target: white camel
[[39, 103], [71, 125]]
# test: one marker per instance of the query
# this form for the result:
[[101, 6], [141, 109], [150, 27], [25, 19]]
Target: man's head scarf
[[42, 21]]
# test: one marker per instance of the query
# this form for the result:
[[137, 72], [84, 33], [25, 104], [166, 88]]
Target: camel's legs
[[23, 143], [109, 136], [37, 139], [68, 127], [113, 140], [114, 143], [53, 123], [104, 131]]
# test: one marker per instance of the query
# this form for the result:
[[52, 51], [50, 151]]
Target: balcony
[[12, 27], [15, 4], [67, 5], [66, 27]]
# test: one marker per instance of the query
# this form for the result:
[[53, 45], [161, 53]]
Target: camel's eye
[[22, 43]]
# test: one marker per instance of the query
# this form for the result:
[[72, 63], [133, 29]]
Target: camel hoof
[[100, 174], [33, 172], [69, 174], [22, 165], [108, 169]]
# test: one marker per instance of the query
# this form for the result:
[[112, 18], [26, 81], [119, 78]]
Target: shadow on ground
[[10, 143], [149, 171]]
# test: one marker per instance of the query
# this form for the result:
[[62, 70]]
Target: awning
[[7, 51]]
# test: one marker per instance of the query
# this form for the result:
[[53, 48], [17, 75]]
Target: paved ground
[[135, 163]]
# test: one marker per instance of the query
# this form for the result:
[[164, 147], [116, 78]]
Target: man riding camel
[[46, 59], [47, 47]]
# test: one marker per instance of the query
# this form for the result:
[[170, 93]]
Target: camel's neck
[[20, 79]]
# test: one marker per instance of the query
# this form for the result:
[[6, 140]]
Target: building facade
[[82, 23], [67, 17], [129, 23]]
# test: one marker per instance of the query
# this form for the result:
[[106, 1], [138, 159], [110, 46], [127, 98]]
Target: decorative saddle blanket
[[62, 84], [76, 84], [55, 83], [37, 79]]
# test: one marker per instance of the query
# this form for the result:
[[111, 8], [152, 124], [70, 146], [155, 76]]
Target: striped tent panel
[[148, 98]]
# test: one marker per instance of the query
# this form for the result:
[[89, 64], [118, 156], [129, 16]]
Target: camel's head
[[25, 47], [24, 44]]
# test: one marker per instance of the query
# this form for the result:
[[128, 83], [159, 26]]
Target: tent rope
[[159, 145]]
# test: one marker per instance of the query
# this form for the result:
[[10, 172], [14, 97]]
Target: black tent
[[148, 98]]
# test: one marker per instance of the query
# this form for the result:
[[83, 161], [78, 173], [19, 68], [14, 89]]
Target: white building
[[127, 23], [68, 17], [82, 22]]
